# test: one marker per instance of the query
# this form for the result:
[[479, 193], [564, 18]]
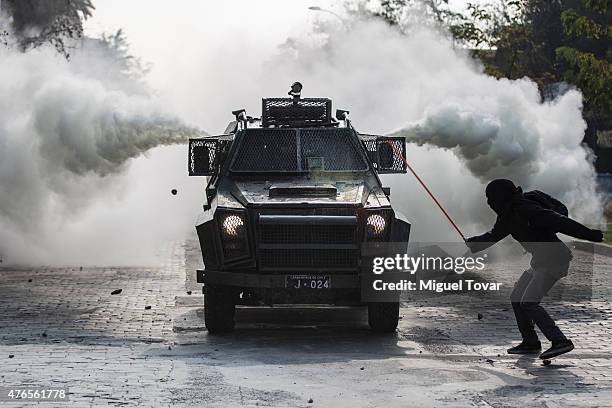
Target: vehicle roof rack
[[297, 112]]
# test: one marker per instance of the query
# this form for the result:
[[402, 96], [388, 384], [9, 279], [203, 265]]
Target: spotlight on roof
[[296, 90]]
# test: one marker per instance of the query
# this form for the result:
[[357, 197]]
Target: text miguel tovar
[[431, 285]]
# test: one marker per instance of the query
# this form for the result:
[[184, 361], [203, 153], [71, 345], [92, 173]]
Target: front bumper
[[257, 280]]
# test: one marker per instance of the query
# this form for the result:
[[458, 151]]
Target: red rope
[[399, 153]]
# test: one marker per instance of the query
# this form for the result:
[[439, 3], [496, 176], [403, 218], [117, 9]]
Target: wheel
[[219, 309], [383, 317]]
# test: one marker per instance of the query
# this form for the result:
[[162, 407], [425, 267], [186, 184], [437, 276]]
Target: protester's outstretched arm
[[544, 218], [481, 242]]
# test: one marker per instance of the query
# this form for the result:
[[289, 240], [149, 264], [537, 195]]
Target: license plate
[[308, 282]]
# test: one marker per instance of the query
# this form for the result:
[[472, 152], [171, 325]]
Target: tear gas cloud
[[464, 128], [69, 134]]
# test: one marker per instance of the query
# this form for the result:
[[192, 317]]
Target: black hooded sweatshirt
[[532, 225]]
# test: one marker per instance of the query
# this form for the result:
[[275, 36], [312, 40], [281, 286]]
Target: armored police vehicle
[[291, 198]]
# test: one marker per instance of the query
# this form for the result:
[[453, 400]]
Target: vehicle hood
[[300, 192]]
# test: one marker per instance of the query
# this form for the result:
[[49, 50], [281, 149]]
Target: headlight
[[233, 225], [234, 236], [376, 224]]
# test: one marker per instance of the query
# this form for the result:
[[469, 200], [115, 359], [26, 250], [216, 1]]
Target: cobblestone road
[[61, 327]]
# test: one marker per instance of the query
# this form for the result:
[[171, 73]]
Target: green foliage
[[546, 40], [598, 6], [608, 231], [59, 23], [391, 10], [576, 26], [396, 12], [38, 22], [113, 54], [592, 75], [482, 26], [469, 33], [126, 64], [584, 57]]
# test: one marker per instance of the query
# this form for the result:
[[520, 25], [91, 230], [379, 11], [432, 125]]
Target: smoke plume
[[515, 136], [455, 118], [66, 135], [71, 191]]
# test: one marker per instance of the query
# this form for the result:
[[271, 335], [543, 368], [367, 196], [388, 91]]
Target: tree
[[546, 40], [584, 56], [498, 35], [113, 61], [398, 12], [38, 22]]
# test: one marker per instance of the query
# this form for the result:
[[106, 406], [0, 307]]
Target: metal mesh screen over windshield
[[267, 150], [335, 147], [299, 150]]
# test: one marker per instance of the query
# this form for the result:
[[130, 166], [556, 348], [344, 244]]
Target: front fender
[[400, 228]]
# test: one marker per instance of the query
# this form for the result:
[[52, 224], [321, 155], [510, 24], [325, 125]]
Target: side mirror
[[391, 154], [387, 191], [385, 155], [202, 155]]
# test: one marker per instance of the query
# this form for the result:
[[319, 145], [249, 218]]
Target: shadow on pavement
[[291, 335]]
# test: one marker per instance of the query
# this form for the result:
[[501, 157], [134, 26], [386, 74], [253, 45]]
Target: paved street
[[61, 327]]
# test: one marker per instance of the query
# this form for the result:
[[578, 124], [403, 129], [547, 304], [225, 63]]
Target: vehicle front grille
[[305, 259], [307, 234], [303, 246]]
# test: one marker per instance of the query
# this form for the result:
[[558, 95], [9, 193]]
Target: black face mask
[[499, 195], [496, 205]]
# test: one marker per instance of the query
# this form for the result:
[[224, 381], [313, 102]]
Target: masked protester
[[533, 219]]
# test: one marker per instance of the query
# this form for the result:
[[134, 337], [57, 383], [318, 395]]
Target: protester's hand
[[596, 235], [469, 244]]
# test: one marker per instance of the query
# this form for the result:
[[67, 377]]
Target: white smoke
[[81, 198], [67, 134], [440, 98], [512, 135]]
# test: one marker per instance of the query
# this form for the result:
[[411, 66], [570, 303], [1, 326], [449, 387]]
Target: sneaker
[[526, 348], [558, 348]]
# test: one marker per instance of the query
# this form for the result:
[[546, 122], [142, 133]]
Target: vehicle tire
[[219, 309], [383, 317]]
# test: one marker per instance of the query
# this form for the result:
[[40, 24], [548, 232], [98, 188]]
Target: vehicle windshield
[[298, 150]]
